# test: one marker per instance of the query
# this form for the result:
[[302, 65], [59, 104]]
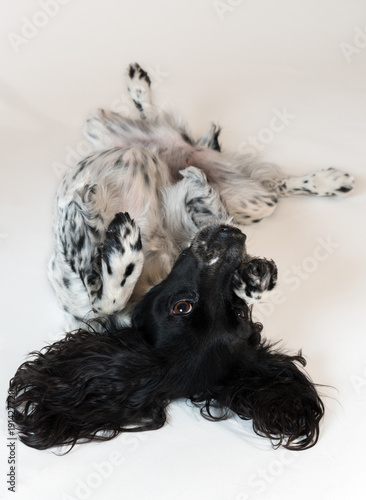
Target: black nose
[[231, 230], [216, 232], [216, 243]]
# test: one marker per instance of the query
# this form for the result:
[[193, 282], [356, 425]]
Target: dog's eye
[[182, 307], [239, 312]]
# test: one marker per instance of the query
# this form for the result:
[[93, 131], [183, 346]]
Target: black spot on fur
[[82, 165], [110, 128], [129, 269], [146, 179], [203, 210], [155, 161], [66, 282], [125, 127], [138, 105], [94, 231], [197, 206], [80, 242], [344, 189], [186, 138], [112, 243], [119, 161], [109, 269], [144, 76], [136, 247], [214, 143], [119, 219], [131, 71]]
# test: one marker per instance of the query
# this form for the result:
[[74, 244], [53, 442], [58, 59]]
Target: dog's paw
[[138, 84], [202, 201], [122, 238], [330, 182], [122, 262], [255, 278], [194, 175], [138, 76]]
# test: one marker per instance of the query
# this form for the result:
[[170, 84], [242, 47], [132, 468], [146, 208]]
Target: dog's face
[[198, 293], [195, 310]]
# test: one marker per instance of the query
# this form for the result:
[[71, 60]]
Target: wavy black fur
[[85, 384], [92, 386]]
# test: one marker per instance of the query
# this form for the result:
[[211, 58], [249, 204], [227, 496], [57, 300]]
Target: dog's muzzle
[[218, 244]]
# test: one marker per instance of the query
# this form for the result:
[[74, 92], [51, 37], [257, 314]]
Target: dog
[[151, 269]]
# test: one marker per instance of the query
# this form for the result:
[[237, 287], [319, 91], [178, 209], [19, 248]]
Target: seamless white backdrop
[[242, 63]]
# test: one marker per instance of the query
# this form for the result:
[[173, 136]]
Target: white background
[[237, 62]]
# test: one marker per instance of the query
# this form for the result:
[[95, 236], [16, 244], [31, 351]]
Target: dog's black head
[[193, 337], [195, 310]]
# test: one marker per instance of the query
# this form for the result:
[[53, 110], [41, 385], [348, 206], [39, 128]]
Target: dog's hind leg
[[248, 192], [326, 182], [250, 201]]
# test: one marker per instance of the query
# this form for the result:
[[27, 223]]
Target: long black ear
[[85, 384], [278, 397]]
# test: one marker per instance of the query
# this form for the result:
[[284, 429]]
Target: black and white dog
[[149, 254]]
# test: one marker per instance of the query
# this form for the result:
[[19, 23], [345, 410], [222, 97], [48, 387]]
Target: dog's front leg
[[254, 279], [116, 268], [192, 204]]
